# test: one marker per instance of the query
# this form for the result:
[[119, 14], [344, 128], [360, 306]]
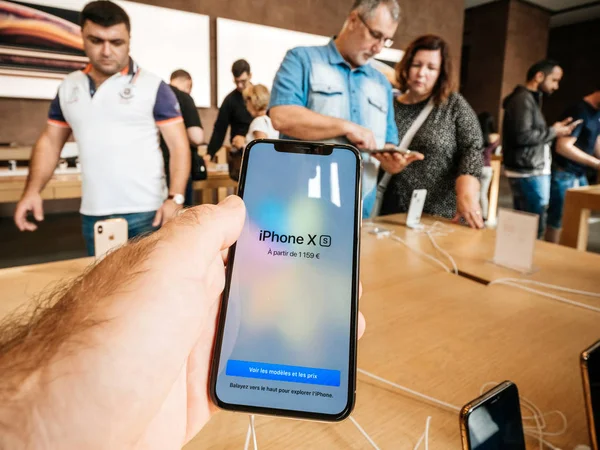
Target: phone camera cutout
[[100, 229]]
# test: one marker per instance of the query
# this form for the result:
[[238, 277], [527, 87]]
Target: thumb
[[157, 218], [207, 229], [38, 210]]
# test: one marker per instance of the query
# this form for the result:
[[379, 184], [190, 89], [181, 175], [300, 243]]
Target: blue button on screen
[[279, 372]]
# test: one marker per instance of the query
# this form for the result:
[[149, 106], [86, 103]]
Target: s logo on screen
[[323, 240]]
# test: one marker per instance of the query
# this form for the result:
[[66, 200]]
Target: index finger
[[576, 123]]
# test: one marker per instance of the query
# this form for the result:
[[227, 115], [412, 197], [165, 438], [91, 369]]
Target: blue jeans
[[532, 195], [561, 182], [138, 224]]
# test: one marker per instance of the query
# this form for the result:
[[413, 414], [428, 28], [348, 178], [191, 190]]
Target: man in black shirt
[[181, 84], [572, 156], [233, 110]]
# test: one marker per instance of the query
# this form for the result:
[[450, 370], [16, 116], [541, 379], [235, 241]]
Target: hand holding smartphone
[[287, 330], [401, 151]]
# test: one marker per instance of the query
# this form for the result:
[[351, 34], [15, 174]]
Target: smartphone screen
[[495, 423], [286, 342], [591, 380]]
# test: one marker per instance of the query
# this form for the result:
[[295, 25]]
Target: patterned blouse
[[451, 141]]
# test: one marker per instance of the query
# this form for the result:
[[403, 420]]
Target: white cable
[[427, 432], [546, 294], [251, 433], [410, 391], [364, 433], [551, 286], [399, 239], [443, 252], [425, 436]]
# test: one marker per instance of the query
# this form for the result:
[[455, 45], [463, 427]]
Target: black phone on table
[[493, 421], [287, 329], [590, 371]]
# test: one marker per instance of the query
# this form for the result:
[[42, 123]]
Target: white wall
[[264, 48]]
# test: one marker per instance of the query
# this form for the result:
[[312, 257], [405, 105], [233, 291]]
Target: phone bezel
[[587, 393], [490, 396], [312, 149]]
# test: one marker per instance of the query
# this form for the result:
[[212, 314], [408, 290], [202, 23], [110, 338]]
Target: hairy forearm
[[44, 158], [302, 123], [47, 369]]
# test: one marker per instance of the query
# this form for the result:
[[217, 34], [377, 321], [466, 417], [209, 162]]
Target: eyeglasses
[[387, 42]]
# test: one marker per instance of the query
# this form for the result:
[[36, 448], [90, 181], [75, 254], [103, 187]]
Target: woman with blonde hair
[[257, 99]]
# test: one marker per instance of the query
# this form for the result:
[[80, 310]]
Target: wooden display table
[[214, 188], [440, 334], [473, 251], [579, 203]]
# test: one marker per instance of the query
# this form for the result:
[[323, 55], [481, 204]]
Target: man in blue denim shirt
[[332, 94]]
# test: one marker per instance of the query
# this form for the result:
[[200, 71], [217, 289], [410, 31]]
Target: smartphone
[[402, 151], [415, 209], [287, 328], [108, 235], [493, 421], [590, 371]]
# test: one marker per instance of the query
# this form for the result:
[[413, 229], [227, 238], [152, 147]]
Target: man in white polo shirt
[[115, 110]]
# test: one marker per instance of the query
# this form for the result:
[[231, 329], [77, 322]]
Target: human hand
[[566, 127], [166, 212], [131, 369], [360, 137], [31, 201], [395, 162], [469, 209], [238, 142]]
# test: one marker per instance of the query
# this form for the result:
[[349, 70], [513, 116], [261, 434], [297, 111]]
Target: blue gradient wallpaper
[[286, 341]]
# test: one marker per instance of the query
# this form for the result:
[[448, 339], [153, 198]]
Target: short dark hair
[[545, 66], [239, 67], [104, 13], [445, 84], [180, 73]]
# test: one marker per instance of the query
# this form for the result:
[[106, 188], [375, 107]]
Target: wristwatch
[[177, 198]]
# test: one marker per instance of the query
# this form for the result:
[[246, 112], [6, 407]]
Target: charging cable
[[426, 255], [518, 283], [442, 251], [251, 434], [427, 398], [425, 436], [550, 286], [364, 433]]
